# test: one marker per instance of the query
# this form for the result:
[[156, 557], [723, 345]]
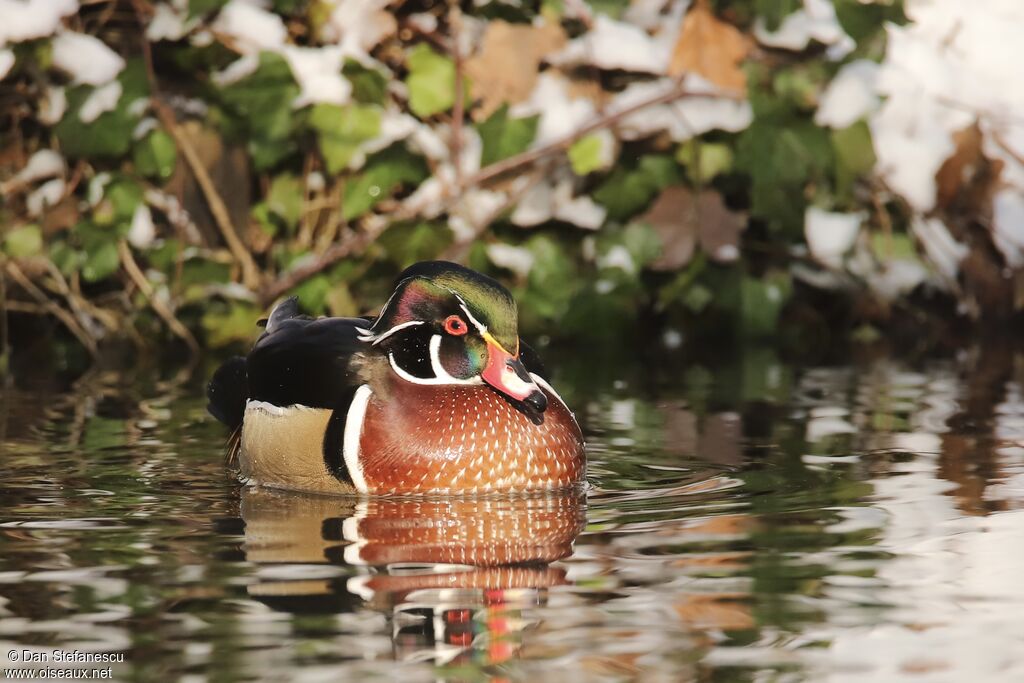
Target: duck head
[[447, 324]]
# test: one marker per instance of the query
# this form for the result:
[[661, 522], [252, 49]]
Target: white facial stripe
[[353, 432], [443, 379], [480, 327], [378, 338]]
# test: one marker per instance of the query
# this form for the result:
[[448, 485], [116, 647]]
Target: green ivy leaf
[[408, 243], [340, 131], [704, 161], [369, 86], [313, 294], [855, 156], [236, 324], [774, 11], [782, 158], [124, 197], [110, 134], [761, 301], [627, 190], [23, 242], [262, 101], [383, 174], [504, 137], [585, 154], [101, 262], [200, 7], [431, 81], [155, 155]]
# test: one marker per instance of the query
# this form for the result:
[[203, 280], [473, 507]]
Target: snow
[[6, 62], [358, 26], [102, 99], [318, 73], [85, 58], [615, 45], [560, 112], [831, 235], [816, 21], [47, 194], [142, 231], [43, 164], [252, 27], [517, 259], [1008, 225], [244, 66], [53, 105], [170, 23], [553, 200], [684, 118], [944, 252], [850, 96], [22, 20]]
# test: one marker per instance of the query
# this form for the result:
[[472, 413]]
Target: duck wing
[[296, 361]]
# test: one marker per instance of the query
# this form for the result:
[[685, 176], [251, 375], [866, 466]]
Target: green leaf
[[199, 7], [342, 129], [503, 137], [237, 324], [585, 154], [431, 81], [369, 86], [285, 198], [774, 11], [855, 156], [313, 294], [782, 158], [704, 161], [124, 196], [23, 242], [761, 301], [383, 174], [628, 191], [110, 134], [408, 243], [101, 262], [262, 102], [155, 155]]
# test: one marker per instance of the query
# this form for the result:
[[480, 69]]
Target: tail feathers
[[228, 392], [289, 308]]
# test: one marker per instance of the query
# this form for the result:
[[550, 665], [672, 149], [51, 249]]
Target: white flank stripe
[[353, 432], [378, 338]]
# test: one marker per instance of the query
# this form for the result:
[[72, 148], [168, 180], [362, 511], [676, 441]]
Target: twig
[[158, 306], [525, 158], [66, 318], [250, 274], [350, 243], [458, 108]]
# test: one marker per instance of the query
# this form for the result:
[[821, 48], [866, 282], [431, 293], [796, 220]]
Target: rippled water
[[751, 520]]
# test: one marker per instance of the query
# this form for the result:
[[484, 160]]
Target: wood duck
[[437, 394]]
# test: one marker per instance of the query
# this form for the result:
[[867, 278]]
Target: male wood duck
[[437, 394]]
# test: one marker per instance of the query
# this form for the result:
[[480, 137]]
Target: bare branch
[[158, 306]]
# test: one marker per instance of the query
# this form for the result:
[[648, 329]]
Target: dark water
[[748, 520]]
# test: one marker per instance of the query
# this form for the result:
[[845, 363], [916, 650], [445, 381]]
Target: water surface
[[747, 520]]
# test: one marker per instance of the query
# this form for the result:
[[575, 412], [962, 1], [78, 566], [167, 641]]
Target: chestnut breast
[[466, 439]]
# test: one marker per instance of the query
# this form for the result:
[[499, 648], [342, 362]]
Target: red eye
[[455, 325]]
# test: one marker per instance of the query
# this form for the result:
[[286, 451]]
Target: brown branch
[[250, 273], [525, 158], [352, 242], [158, 306], [56, 311], [458, 108]]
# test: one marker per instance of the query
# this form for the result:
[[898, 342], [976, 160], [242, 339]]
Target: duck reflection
[[457, 577]]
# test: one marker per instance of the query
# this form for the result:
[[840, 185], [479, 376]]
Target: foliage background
[[772, 170]]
